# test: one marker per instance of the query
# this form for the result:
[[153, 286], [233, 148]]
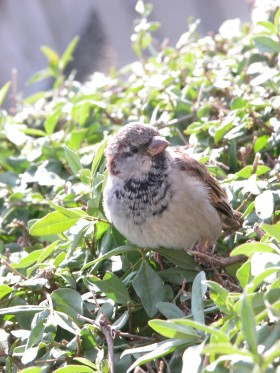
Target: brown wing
[[218, 196]]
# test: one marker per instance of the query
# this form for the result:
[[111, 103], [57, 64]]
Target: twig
[[256, 163], [199, 96], [49, 298], [161, 367], [130, 325], [113, 119], [13, 270], [258, 230], [181, 291], [167, 365], [181, 136], [173, 122], [115, 331], [105, 318], [221, 261], [110, 342], [243, 202]]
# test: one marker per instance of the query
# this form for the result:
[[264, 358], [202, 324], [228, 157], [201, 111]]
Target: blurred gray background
[[105, 27]]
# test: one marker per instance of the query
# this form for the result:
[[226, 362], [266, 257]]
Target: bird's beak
[[158, 145]]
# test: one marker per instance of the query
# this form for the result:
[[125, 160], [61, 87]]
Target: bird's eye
[[134, 149]]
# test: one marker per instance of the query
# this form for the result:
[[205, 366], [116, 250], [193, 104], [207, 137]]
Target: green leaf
[[219, 296], [272, 230], [68, 301], [72, 213], [84, 361], [248, 324], [85, 176], [28, 260], [51, 55], [268, 25], [75, 369], [53, 223], [251, 248], [34, 132], [157, 350], [36, 334], [113, 287], [238, 103], [170, 329], [175, 275], [170, 310], [221, 337], [149, 287], [276, 22], [266, 44], [52, 121], [199, 289], [180, 258], [3, 92], [31, 370], [260, 143], [4, 291], [98, 156], [116, 251], [15, 310], [68, 53], [48, 251], [224, 127], [73, 160], [225, 349], [65, 322], [244, 274]]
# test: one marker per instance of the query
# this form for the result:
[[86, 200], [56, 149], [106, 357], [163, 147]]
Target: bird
[[158, 196]]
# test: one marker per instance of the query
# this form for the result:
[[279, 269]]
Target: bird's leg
[[158, 259], [203, 253]]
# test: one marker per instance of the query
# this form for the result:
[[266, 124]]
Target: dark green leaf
[[149, 287], [113, 287], [68, 301], [170, 310]]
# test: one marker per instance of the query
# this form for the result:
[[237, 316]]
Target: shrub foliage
[[74, 295]]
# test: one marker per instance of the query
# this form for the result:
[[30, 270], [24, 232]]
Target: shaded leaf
[[113, 287], [149, 287]]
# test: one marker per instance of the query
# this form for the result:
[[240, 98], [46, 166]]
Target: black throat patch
[[147, 197]]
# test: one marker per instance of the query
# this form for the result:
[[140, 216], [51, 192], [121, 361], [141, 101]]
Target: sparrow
[[158, 196]]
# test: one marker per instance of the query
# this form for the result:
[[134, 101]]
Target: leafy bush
[[75, 296]]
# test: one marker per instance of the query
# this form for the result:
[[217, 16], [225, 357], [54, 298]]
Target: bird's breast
[[139, 199]]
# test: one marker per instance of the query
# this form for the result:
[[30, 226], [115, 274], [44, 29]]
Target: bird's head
[[131, 151]]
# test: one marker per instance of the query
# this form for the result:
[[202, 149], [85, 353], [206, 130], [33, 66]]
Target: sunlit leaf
[[53, 223]]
